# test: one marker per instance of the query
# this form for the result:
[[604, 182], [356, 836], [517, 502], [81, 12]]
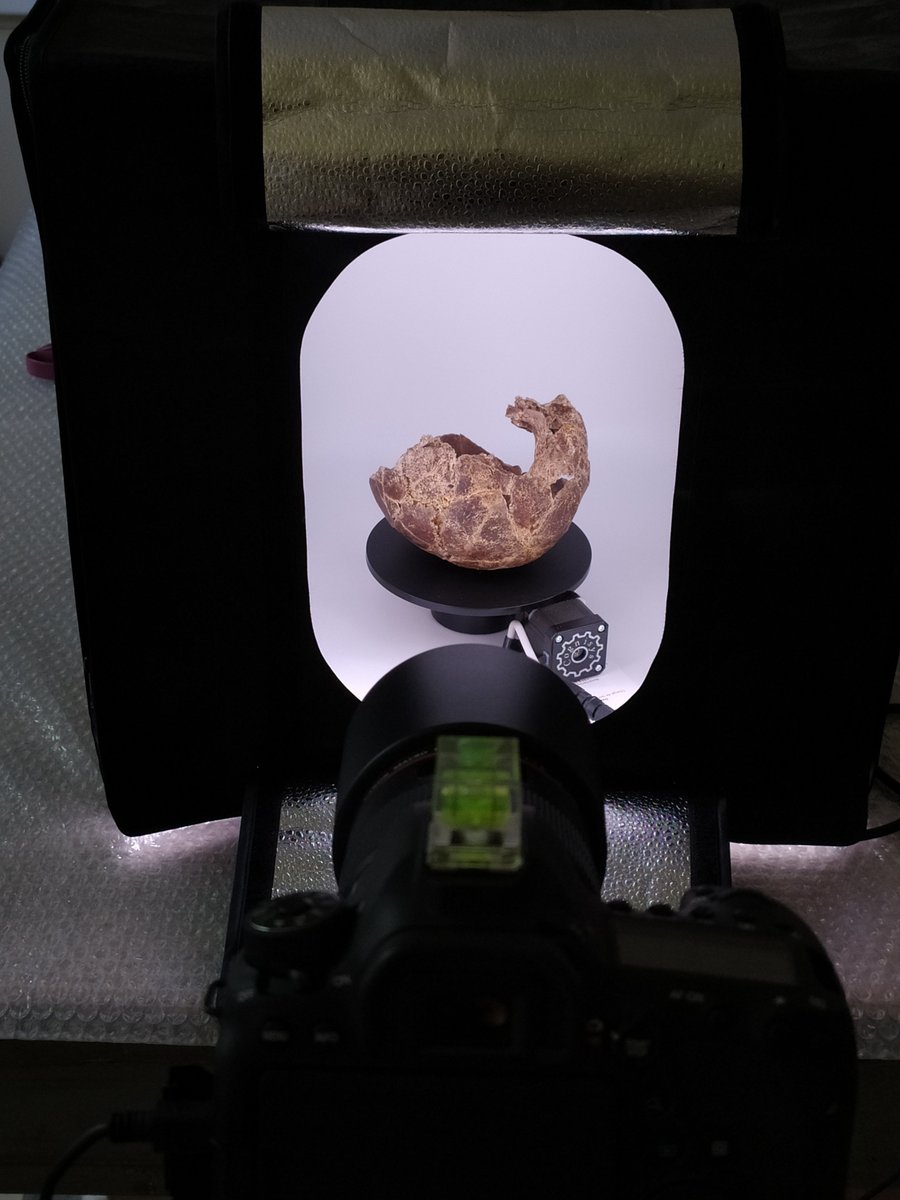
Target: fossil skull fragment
[[456, 500]]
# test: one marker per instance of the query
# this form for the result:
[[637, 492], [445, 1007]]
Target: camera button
[[639, 1044], [718, 1149], [668, 1149], [636, 1046], [702, 912], [274, 1033], [326, 1035]]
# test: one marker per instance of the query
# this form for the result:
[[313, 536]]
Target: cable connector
[[592, 705], [179, 1128]]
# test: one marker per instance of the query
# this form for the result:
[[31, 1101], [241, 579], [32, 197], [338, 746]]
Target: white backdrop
[[437, 333]]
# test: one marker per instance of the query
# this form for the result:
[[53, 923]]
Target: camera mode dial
[[300, 931]]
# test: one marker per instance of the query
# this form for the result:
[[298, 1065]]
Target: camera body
[[467, 1014], [505, 1033]]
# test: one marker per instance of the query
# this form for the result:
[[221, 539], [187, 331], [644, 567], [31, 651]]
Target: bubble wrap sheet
[[648, 851], [102, 937], [850, 897], [108, 938]]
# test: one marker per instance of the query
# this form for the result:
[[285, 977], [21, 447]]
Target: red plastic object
[[40, 362]]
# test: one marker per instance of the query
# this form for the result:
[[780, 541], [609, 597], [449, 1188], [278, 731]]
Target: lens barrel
[[472, 689]]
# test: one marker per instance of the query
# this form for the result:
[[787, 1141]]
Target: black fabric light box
[[177, 312]]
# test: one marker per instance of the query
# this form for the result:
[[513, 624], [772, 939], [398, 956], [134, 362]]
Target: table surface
[[46, 1103]]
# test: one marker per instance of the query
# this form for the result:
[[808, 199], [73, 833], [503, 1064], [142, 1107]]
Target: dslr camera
[[467, 1016]]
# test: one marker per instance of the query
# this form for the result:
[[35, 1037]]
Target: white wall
[[14, 198]]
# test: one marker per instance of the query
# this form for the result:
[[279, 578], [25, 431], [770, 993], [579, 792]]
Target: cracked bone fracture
[[456, 500]]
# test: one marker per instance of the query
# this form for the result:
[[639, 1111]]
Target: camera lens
[[469, 823], [481, 690]]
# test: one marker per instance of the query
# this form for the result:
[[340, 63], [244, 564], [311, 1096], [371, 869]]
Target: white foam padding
[[850, 898], [648, 847], [103, 938], [110, 938]]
